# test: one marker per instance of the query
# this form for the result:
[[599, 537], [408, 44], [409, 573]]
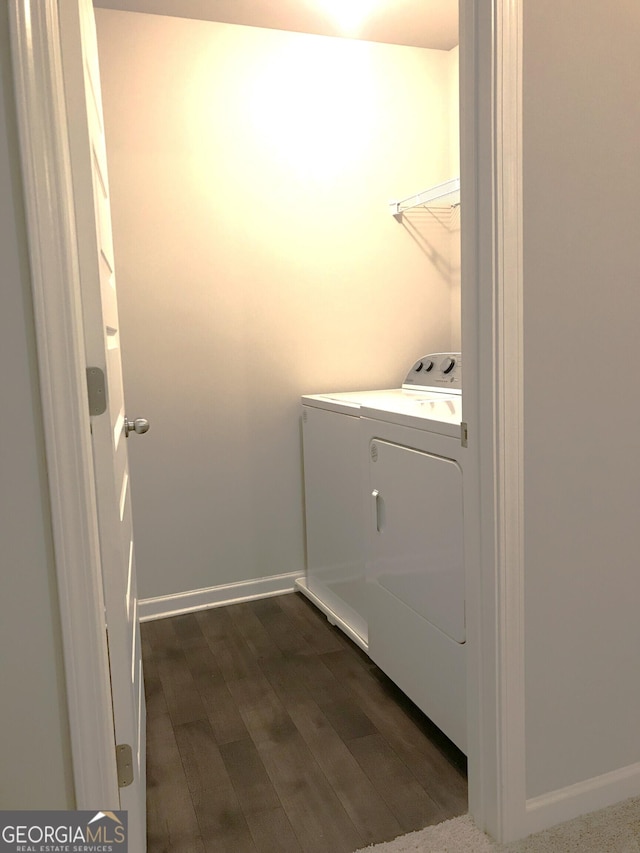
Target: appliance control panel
[[441, 371]]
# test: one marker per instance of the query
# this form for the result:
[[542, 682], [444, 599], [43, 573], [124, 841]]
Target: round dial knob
[[447, 365], [428, 365], [418, 367]]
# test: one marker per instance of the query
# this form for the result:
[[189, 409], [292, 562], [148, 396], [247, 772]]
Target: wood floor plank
[[395, 783], [170, 660], [171, 816], [233, 656], [303, 789], [307, 674], [159, 635], [148, 658], [254, 633], [203, 765], [268, 730], [183, 700], [215, 623], [320, 822], [187, 628], [238, 841], [272, 832], [290, 766], [389, 707], [191, 845], [269, 723], [251, 692], [266, 607], [203, 666], [349, 671], [366, 808], [223, 714], [154, 695], [312, 624], [159, 727], [285, 755], [164, 764], [171, 663], [347, 718], [222, 822], [284, 632], [249, 776], [436, 763], [296, 775]]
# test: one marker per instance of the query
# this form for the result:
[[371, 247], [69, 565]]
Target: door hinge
[[464, 434], [97, 390], [124, 764]]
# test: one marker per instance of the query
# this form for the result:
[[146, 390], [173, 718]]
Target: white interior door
[[102, 344]]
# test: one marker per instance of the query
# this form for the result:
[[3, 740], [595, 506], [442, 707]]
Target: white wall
[[454, 222], [250, 171], [36, 757], [582, 362]]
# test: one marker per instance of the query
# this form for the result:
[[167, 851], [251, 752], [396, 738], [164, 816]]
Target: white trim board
[[492, 284], [216, 596], [583, 797], [508, 416]]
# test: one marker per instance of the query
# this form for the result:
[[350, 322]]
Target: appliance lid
[[442, 413], [350, 402]]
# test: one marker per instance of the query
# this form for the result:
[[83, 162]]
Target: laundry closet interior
[[251, 170]]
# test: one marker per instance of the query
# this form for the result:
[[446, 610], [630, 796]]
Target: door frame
[[492, 343], [491, 170]]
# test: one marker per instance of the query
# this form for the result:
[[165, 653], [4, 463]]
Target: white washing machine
[[413, 452], [335, 479]]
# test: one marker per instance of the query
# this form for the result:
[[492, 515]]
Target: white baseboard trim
[[583, 797], [215, 596]]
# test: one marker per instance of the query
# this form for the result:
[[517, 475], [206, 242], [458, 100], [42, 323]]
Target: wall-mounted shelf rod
[[446, 195]]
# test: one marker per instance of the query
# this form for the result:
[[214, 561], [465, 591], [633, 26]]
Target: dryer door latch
[[464, 434]]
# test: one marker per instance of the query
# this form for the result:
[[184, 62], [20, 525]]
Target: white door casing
[[491, 41], [66, 194], [102, 347]]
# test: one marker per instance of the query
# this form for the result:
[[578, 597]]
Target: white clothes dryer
[[334, 481], [413, 454]]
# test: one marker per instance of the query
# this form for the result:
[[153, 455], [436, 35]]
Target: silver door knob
[[140, 425]]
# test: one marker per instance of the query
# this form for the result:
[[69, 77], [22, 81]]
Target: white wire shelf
[[441, 197]]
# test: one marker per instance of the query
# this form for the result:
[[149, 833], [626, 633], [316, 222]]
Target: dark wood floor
[[268, 730]]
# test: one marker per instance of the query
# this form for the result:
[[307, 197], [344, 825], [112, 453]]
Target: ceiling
[[417, 23]]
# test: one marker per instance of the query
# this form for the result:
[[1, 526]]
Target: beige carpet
[[612, 830]]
